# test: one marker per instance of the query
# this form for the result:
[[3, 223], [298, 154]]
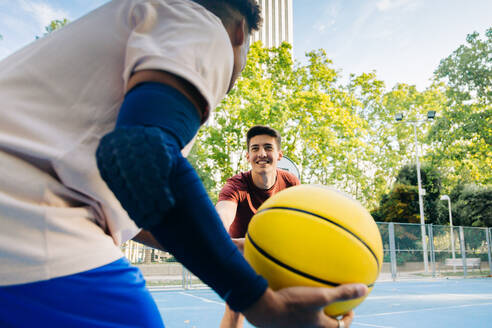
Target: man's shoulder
[[289, 178], [235, 188], [239, 180]]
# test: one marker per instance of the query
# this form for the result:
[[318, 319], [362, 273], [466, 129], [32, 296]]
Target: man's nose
[[262, 152]]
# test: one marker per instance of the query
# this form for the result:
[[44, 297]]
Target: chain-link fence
[[451, 252], [159, 268]]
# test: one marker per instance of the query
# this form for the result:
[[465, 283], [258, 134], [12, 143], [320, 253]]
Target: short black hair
[[258, 130], [249, 9]]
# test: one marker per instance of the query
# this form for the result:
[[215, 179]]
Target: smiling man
[[241, 196]]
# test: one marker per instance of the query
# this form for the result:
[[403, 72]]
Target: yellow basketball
[[310, 235]]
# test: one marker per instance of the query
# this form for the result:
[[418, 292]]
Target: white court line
[[437, 297], [418, 310], [221, 303], [355, 324], [202, 298], [181, 308]]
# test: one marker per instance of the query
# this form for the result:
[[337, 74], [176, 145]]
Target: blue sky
[[402, 40]]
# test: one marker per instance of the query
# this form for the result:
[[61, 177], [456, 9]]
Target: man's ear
[[239, 33], [280, 155], [247, 156]]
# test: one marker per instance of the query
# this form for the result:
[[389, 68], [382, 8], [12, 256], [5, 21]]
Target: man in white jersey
[[93, 119]]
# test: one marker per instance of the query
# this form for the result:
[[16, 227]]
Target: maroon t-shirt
[[241, 190]]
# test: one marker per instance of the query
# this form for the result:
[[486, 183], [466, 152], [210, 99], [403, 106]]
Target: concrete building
[[277, 24]]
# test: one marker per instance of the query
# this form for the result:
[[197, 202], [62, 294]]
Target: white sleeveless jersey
[[59, 96]]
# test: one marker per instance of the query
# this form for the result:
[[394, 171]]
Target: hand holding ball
[[310, 235]]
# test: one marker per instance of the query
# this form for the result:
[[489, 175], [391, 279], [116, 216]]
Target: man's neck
[[264, 181]]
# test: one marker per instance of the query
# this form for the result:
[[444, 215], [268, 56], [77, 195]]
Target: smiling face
[[263, 154]]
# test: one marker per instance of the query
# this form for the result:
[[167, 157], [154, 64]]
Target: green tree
[[430, 178], [431, 182], [373, 151], [401, 204], [461, 139], [338, 135], [54, 25], [319, 121], [394, 142], [467, 71], [472, 205]]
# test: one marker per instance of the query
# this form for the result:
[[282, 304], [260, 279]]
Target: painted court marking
[[437, 298], [355, 324], [201, 298], [420, 310], [391, 305]]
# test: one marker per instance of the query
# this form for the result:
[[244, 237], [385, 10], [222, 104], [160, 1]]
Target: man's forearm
[[227, 212], [145, 237], [162, 193]]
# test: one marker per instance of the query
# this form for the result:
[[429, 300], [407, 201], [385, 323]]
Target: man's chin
[[263, 169]]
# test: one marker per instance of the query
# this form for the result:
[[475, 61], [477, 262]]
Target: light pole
[[430, 116], [446, 197]]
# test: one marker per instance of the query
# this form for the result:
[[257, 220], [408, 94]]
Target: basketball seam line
[[328, 220], [294, 270]]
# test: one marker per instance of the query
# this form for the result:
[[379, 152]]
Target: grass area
[[469, 274], [179, 282], [164, 283]]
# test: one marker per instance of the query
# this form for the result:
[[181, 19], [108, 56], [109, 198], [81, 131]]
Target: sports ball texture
[[311, 235]]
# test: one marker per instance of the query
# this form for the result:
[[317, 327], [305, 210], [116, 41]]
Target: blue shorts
[[113, 295]]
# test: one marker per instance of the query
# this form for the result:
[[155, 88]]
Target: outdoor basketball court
[[403, 304]]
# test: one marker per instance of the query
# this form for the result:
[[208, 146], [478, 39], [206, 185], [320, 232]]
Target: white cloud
[[10, 22], [4, 52], [385, 5], [320, 27], [331, 12], [42, 12], [384, 33]]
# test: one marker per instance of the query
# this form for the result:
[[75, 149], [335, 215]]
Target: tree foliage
[[336, 134], [468, 72], [472, 205], [54, 25], [346, 135], [461, 138], [458, 143], [401, 204]]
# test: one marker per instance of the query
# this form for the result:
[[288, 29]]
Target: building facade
[[277, 24]]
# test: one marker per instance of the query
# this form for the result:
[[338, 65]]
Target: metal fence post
[[432, 253], [489, 247], [183, 278], [391, 232], [463, 249], [452, 247]]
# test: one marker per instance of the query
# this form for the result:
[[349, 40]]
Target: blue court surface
[[430, 303]]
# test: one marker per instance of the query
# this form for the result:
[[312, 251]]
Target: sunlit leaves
[[462, 136], [346, 135]]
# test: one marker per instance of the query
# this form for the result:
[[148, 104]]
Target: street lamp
[[430, 116], [446, 197]]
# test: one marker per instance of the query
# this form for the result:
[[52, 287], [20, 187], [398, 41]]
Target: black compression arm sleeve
[[161, 192]]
